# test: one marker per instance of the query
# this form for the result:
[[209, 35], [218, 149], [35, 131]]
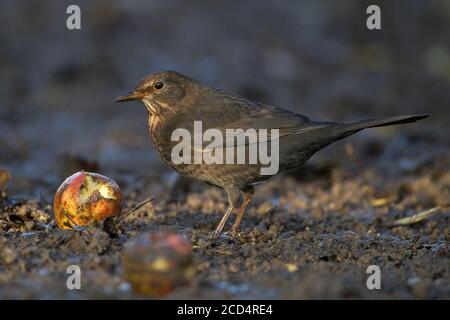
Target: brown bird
[[175, 101]]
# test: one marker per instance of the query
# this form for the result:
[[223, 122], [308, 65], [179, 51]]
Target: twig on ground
[[419, 216], [137, 207]]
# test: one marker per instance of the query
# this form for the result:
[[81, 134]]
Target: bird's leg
[[234, 197], [222, 222], [248, 196]]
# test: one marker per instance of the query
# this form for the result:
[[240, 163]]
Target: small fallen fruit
[[86, 198], [156, 264]]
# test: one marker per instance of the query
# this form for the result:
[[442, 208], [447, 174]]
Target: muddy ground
[[309, 234]]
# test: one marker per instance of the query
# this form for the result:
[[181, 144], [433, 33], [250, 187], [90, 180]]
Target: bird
[[175, 101]]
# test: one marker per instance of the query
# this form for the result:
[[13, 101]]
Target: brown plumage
[[175, 101]]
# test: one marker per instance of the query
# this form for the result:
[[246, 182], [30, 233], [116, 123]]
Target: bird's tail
[[381, 122], [345, 129]]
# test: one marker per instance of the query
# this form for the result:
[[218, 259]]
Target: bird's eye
[[158, 85]]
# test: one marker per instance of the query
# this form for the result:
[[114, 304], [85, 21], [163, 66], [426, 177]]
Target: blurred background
[[57, 87], [309, 235]]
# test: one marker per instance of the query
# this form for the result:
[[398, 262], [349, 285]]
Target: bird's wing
[[229, 112]]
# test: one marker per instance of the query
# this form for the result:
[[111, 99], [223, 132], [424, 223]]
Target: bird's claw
[[235, 233]]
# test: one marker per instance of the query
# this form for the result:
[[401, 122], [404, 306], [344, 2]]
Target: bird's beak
[[130, 95]]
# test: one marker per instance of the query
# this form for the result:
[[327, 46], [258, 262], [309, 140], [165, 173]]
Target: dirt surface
[[309, 234]]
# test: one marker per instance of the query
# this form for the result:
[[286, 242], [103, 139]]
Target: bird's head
[[159, 90]]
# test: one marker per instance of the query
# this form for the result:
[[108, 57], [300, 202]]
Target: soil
[[309, 234]]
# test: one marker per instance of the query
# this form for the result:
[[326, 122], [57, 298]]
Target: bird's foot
[[225, 236], [235, 234], [216, 234]]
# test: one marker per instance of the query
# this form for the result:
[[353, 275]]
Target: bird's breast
[[160, 136]]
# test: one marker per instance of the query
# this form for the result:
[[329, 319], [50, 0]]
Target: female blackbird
[[175, 101]]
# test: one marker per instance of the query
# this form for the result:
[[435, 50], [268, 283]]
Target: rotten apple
[[155, 264], [86, 198]]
